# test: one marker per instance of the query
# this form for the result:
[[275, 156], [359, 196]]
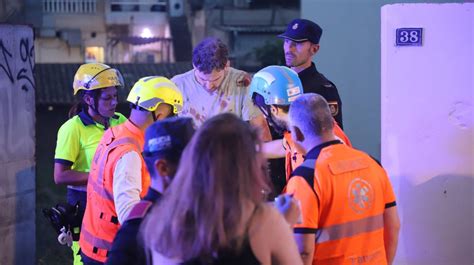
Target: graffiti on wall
[[17, 91], [18, 68]]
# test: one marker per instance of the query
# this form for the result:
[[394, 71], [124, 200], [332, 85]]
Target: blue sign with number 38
[[409, 37]]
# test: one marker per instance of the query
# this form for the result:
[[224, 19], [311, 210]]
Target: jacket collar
[[315, 151], [87, 120], [309, 71]]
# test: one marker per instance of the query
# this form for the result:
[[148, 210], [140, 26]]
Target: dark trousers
[[88, 261], [75, 196]]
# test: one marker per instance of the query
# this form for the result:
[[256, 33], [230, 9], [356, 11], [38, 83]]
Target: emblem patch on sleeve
[[333, 107]]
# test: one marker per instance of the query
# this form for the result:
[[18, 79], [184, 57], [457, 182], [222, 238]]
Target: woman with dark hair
[[95, 85], [214, 211]]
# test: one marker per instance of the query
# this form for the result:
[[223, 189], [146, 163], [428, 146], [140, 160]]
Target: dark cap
[[168, 137], [300, 30]]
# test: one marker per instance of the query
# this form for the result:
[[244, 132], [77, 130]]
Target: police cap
[[300, 30]]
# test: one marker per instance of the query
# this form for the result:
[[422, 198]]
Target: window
[[94, 54]]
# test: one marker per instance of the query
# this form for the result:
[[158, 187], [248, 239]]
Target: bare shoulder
[[271, 238], [268, 219]]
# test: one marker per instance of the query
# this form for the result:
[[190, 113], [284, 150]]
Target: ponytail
[[80, 105]]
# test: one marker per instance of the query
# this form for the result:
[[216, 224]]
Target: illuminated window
[[94, 54]]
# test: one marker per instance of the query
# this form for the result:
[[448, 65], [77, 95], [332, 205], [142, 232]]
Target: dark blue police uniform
[[301, 30], [315, 82]]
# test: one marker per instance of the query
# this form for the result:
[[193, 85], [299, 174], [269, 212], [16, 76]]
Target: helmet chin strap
[[268, 116], [105, 119], [259, 101]]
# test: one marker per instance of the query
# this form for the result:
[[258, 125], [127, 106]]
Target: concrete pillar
[[17, 145]]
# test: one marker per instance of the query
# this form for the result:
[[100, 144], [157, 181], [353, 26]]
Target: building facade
[[112, 31]]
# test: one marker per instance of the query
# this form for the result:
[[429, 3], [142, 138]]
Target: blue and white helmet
[[278, 85]]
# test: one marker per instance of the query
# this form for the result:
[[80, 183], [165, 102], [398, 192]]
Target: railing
[[69, 6], [137, 6]]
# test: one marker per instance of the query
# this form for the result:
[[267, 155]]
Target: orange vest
[[100, 223], [293, 158], [343, 194]]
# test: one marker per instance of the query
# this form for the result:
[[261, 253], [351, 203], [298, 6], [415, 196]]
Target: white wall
[[350, 57], [17, 145], [427, 130]]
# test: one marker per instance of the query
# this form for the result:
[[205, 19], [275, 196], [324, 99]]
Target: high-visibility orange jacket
[[343, 194], [294, 158], [100, 223]]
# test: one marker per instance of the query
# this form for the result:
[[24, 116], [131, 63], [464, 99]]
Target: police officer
[[300, 45]]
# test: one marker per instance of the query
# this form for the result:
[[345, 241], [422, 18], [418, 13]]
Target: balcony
[[70, 6], [137, 12]]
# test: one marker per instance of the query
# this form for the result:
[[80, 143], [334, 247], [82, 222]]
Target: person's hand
[[289, 208]]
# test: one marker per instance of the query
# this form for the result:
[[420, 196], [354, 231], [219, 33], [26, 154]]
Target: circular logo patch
[[333, 107], [360, 195]]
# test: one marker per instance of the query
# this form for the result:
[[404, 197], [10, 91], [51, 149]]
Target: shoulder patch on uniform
[[333, 107]]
